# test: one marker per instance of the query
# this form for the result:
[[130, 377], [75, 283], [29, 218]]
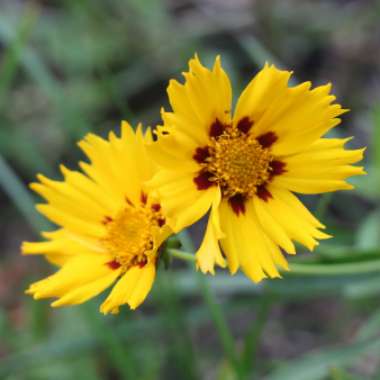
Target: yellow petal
[[311, 186], [180, 199], [102, 169], [260, 249], [77, 272], [250, 246], [324, 166], [166, 152], [293, 218], [228, 242], [90, 189], [205, 96], [131, 289], [294, 114], [305, 116], [298, 207], [143, 287], [71, 190], [145, 167], [209, 252], [119, 165], [88, 291], [273, 229], [61, 246], [70, 222], [267, 86], [79, 207]]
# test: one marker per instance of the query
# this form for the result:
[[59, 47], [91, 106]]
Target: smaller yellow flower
[[110, 226]]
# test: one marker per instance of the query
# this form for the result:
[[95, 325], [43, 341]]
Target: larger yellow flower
[[110, 226], [244, 168]]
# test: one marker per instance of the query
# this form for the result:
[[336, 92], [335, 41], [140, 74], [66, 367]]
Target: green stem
[[336, 269], [180, 348], [182, 255], [118, 353], [376, 139], [216, 312], [16, 191], [323, 205], [253, 337], [12, 55], [257, 51], [330, 269]]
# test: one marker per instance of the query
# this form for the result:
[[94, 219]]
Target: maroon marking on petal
[[113, 264], [263, 193], [143, 197], [237, 202], [107, 219], [156, 207], [245, 124], [128, 201], [161, 222], [217, 128], [202, 180], [267, 139], [201, 154], [143, 262], [277, 168]]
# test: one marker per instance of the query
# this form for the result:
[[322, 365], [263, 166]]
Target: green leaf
[[376, 140], [370, 328], [368, 235], [17, 192], [317, 365]]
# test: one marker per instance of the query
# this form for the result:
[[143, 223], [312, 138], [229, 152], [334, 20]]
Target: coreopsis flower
[[110, 227], [244, 168]]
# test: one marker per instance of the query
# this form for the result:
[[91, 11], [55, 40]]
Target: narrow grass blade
[[317, 365], [216, 312], [22, 200]]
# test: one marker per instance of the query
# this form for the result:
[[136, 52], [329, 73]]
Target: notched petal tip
[[41, 177], [205, 269], [27, 248], [233, 269], [55, 304], [28, 291], [173, 83], [285, 266], [217, 64]]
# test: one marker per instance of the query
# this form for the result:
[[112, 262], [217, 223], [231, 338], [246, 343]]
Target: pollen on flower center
[[238, 163], [241, 164], [130, 236]]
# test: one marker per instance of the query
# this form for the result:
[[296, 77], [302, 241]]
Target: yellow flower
[[110, 226], [244, 168]]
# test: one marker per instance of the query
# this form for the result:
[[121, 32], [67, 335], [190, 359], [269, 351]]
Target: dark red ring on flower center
[[113, 264], [237, 202], [202, 180], [266, 140], [201, 154], [217, 128], [244, 125]]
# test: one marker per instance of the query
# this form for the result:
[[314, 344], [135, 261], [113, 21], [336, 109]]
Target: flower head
[[244, 167], [110, 226]]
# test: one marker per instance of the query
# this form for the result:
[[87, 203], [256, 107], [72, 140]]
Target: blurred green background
[[72, 66]]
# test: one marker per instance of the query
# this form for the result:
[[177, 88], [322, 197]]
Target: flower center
[[238, 163], [130, 235]]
